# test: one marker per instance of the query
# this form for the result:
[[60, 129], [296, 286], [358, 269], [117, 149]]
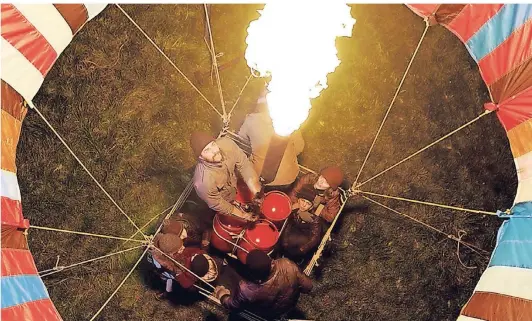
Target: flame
[[294, 43]]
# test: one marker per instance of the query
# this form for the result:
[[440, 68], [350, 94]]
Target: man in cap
[[326, 185], [274, 291], [215, 177], [189, 259], [274, 157], [303, 230]]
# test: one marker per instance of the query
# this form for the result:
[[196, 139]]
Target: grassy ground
[[128, 115]]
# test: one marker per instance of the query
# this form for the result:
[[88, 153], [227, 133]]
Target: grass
[[128, 115]]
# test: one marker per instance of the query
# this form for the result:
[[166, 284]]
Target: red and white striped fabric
[[33, 37]]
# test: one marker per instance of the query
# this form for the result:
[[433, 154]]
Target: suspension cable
[[120, 285], [151, 220], [85, 233], [30, 103], [180, 201], [449, 236], [324, 241], [169, 60], [240, 95], [57, 269], [215, 60], [392, 102], [429, 203], [486, 112]]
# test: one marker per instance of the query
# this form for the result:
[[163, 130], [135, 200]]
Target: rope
[[308, 169], [148, 223], [82, 165], [120, 285], [392, 102], [58, 269], [486, 112], [180, 201], [167, 58], [183, 267], [235, 245], [240, 95], [85, 233], [429, 203], [214, 61], [450, 236], [324, 240], [461, 234]]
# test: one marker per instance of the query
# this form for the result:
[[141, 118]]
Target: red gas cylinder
[[224, 228], [276, 207], [262, 236]]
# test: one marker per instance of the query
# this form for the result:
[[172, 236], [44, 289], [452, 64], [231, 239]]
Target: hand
[[205, 244], [220, 291], [250, 217]]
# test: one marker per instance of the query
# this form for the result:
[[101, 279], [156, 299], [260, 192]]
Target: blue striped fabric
[[514, 241], [20, 289], [498, 28]]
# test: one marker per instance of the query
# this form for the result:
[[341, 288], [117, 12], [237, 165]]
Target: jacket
[[329, 198], [258, 130], [216, 183], [275, 296], [185, 279], [300, 237]]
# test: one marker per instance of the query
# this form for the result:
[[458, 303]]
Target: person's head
[[171, 226], [199, 265], [260, 265], [204, 146], [330, 177], [168, 243], [305, 197]]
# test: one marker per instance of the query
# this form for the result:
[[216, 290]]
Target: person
[[274, 290], [189, 259], [215, 177], [195, 232], [274, 157], [326, 185], [303, 230]]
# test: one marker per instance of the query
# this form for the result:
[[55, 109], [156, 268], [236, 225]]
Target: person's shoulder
[[193, 250], [226, 142], [310, 177], [286, 263]]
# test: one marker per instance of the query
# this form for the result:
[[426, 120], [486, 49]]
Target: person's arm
[[304, 282], [331, 208], [186, 280], [245, 167], [237, 298], [214, 200], [286, 233], [315, 236]]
